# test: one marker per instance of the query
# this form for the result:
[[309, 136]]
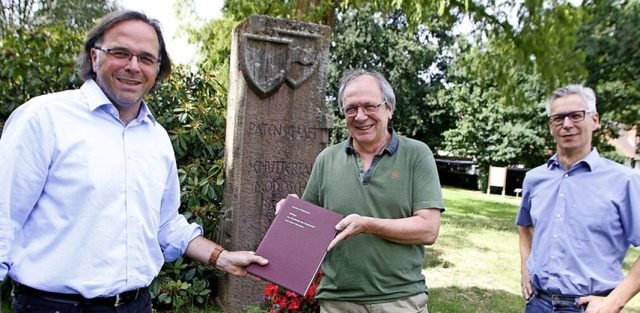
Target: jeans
[[33, 304], [539, 304]]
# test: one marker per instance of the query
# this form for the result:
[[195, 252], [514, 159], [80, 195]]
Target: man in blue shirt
[[89, 193], [579, 214]]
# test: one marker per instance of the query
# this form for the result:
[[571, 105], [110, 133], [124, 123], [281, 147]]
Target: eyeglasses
[[124, 54], [574, 117], [352, 110]]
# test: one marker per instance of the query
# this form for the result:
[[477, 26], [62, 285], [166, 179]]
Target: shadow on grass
[[433, 258], [473, 300]]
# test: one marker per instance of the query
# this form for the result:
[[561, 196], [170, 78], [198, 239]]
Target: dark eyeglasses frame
[[367, 109], [124, 54], [574, 116]]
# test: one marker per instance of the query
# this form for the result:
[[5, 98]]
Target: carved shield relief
[[303, 56], [269, 61], [264, 62]]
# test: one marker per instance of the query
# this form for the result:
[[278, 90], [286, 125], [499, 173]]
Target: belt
[[560, 297], [117, 300]]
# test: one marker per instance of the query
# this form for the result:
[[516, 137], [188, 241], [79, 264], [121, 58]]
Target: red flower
[[294, 303], [290, 294], [281, 300], [271, 290]]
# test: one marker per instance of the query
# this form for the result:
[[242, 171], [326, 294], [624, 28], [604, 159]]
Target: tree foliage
[[314, 11], [493, 134], [537, 37], [214, 41], [514, 55], [38, 40], [609, 39], [541, 42], [80, 14], [498, 128]]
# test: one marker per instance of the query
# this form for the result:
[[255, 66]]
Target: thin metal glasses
[[574, 117], [352, 110], [124, 54]]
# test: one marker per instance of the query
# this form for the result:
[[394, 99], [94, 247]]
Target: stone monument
[[277, 123]]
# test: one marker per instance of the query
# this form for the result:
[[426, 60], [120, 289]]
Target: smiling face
[[573, 139], [369, 131], [126, 82]]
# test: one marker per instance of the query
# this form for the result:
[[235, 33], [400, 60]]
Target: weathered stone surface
[[277, 123]]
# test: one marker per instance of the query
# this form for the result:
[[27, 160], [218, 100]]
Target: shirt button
[[555, 236], [557, 215], [562, 195], [566, 175]]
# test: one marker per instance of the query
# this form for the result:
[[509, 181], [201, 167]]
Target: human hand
[[348, 227], [281, 202], [600, 305], [526, 286], [235, 262]]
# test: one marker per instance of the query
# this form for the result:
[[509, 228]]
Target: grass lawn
[[474, 265]]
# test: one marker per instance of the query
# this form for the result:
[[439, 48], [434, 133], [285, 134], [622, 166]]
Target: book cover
[[295, 244]]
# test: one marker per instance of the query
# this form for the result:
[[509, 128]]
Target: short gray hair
[[385, 87], [587, 94]]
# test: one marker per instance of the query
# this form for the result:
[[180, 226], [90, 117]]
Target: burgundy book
[[295, 244]]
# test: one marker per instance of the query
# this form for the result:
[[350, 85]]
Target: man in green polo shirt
[[387, 188]]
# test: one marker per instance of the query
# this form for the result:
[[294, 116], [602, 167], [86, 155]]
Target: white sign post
[[497, 178]]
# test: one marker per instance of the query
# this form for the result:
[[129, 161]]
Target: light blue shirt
[[585, 219], [87, 204]]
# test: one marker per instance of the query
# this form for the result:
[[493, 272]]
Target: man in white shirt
[[89, 193]]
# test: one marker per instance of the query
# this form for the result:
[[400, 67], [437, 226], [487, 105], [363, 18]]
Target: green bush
[[191, 106], [35, 62]]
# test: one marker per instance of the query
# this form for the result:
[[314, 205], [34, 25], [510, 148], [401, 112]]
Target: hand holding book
[[295, 244]]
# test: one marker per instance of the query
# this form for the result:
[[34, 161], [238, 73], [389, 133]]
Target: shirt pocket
[[586, 220]]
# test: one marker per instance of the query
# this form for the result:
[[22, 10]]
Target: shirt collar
[[391, 147], [96, 99], [591, 160]]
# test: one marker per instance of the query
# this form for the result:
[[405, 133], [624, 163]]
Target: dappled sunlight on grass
[[476, 258]]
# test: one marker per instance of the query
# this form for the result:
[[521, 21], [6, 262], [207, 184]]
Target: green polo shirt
[[401, 180]]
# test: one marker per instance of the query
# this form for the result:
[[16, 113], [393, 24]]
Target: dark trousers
[[542, 305], [33, 304], [543, 302]]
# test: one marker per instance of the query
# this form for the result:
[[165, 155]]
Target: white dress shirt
[[87, 204]]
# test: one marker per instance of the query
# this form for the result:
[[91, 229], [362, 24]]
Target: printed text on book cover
[[295, 244]]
